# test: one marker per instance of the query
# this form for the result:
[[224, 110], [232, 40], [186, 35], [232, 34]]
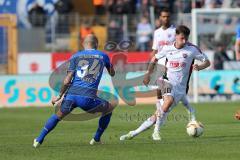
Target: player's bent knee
[[109, 109], [168, 101]]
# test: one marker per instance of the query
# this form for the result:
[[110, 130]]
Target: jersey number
[[86, 69]]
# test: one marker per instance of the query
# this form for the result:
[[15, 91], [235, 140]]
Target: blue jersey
[[87, 66]]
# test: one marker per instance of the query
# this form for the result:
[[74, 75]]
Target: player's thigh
[[100, 105], [66, 106], [168, 102], [168, 98], [93, 104]]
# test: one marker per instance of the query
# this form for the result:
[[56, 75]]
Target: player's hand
[[55, 99], [196, 67], [146, 79]]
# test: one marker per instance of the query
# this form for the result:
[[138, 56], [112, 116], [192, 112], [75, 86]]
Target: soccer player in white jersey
[[165, 35], [181, 55]]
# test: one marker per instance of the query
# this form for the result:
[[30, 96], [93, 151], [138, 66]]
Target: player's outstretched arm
[[111, 70], [65, 85], [202, 66]]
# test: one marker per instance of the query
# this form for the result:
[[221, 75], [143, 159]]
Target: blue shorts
[[88, 104]]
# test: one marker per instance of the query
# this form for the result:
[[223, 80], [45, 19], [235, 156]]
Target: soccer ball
[[237, 115], [194, 129]]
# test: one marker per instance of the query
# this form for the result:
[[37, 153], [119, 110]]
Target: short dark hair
[[183, 29], [92, 40], [164, 10]]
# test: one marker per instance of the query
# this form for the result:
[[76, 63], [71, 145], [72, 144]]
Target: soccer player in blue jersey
[[80, 89]]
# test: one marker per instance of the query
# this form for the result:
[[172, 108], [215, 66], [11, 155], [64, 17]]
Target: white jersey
[[179, 64], [163, 37]]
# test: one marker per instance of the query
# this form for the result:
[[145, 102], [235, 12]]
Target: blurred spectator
[[144, 7], [144, 32], [110, 6], [115, 32], [220, 56], [99, 6], [63, 6], [119, 7], [85, 29], [157, 23], [197, 4], [100, 31]]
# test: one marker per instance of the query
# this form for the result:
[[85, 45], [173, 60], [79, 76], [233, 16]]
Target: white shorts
[[177, 96], [178, 93]]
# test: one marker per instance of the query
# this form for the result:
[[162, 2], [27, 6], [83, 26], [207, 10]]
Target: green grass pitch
[[70, 140]]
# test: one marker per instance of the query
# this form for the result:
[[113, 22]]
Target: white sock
[[159, 103], [191, 112], [144, 126], [161, 117]]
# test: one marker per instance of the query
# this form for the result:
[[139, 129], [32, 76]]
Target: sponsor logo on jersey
[[176, 64]]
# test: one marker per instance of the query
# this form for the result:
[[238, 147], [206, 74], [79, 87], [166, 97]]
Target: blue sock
[[50, 125], [102, 125]]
